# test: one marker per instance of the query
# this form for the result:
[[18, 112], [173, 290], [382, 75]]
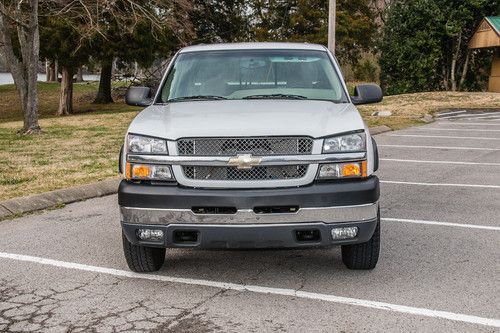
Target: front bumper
[[320, 207], [251, 236]]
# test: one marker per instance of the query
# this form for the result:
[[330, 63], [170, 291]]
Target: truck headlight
[[345, 143], [342, 170], [146, 145], [149, 172]]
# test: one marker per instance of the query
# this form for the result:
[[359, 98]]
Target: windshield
[[253, 74]]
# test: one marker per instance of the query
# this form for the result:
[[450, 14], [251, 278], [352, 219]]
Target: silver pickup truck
[[254, 145]]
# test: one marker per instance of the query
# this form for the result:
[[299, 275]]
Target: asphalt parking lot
[[439, 270]]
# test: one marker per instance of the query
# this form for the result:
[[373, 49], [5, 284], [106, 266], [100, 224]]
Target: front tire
[[142, 258], [363, 256]]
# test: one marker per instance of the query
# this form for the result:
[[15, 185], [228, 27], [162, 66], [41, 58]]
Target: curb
[[379, 129], [32, 203], [17, 206]]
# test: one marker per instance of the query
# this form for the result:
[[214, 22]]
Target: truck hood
[[246, 118]]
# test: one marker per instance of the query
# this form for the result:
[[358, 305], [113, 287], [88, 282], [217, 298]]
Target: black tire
[[142, 258], [363, 256]]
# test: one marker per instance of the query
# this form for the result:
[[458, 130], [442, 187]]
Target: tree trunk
[[47, 70], [79, 74], [464, 70], [24, 71], [452, 75], [66, 96], [454, 61], [445, 78], [56, 71], [51, 71], [104, 92]]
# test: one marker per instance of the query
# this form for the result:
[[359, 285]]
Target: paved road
[[439, 270]]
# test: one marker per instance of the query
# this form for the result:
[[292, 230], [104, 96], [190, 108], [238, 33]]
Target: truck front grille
[[257, 173], [255, 146]]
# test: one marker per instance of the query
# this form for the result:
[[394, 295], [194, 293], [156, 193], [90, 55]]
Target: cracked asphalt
[[452, 268]]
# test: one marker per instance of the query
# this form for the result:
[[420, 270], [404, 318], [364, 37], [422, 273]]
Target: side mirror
[[367, 94], [138, 96]]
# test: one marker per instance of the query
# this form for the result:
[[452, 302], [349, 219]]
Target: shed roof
[[487, 34], [494, 22]]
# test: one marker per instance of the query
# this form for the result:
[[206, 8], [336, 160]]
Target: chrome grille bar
[[265, 160]]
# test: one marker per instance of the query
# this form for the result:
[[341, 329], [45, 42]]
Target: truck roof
[[253, 46]]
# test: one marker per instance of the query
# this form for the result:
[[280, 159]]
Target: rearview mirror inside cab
[[367, 94]]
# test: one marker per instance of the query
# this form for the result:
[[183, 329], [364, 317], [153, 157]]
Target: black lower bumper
[[252, 236], [327, 194]]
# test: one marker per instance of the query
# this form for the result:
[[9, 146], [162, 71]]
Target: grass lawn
[[73, 150], [408, 109], [83, 147]]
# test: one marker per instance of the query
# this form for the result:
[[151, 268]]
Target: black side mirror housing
[[367, 94], [138, 96]]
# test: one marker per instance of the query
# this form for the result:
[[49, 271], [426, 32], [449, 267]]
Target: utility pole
[[331, 25]]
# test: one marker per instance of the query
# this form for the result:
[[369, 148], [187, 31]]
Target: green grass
[[72, 150], [48, 100]]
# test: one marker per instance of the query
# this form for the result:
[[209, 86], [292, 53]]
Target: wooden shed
[[487, 35]]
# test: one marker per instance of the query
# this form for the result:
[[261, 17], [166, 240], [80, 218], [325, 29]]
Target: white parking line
[[438, 184], [262, 290], [442, 136], [484, 118], [439, 162], [447, 224], [456, 129], [471, 115], [440, 147], [448, 113], [466, 123], [463, 121]]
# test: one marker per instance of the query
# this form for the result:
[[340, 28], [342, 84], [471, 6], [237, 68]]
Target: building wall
[[494, 82]]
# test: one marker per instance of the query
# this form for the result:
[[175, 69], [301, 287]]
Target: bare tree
[[19, 21]]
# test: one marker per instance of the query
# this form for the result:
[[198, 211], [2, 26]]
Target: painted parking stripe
[[439, 162], [466, 123], [442, 114], [463, 121], [440, 147], [483, 118], [446, 224], [470, 115], [456, 129], [442, 136], [439, 184], [458, 317]]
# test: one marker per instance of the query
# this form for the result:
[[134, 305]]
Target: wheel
[[143, 258], [363, 255]]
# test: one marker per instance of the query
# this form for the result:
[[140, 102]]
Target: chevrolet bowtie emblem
[[244, 161]]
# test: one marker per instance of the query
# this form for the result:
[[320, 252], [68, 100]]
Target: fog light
[[153, 235], [344, 233]]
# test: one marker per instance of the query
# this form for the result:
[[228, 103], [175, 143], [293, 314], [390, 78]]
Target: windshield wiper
[[197, 97], [275, 96]]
